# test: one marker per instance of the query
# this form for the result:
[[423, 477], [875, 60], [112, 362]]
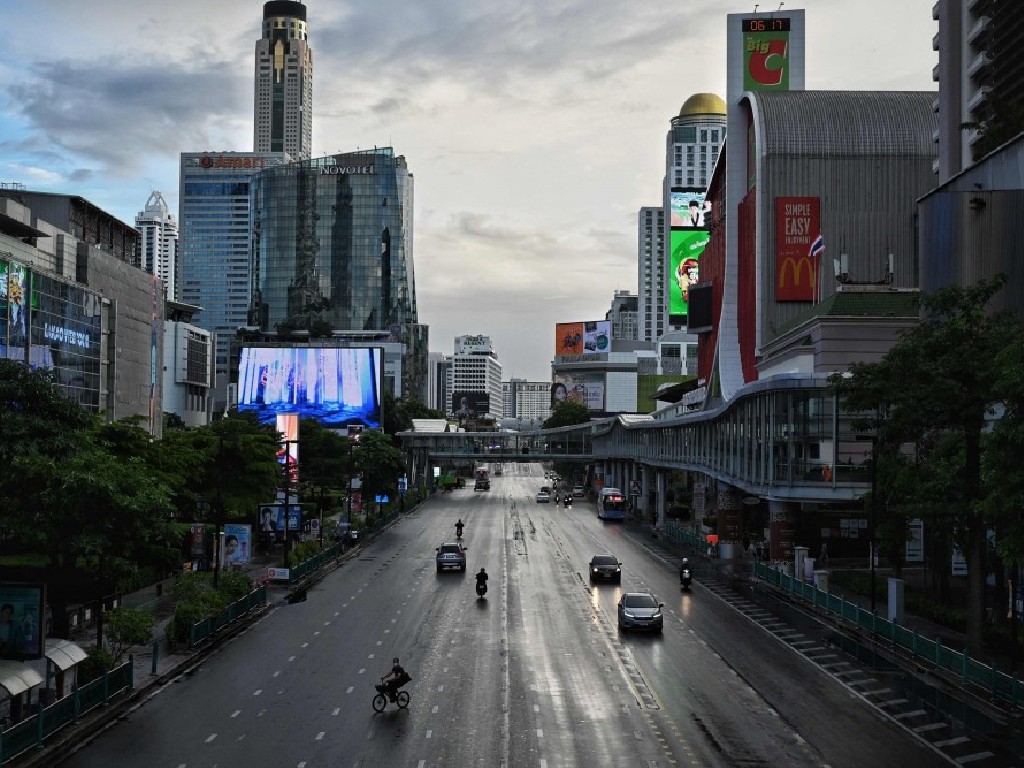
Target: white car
[[577, 491], [543, 497]]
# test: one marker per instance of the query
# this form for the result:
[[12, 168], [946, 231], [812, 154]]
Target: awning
[[16, 677], [63, 653]]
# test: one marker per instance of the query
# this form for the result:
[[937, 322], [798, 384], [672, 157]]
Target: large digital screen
[[585, 389], [470, 403], [338, 387], [690, 210], [684, 264], [593, 337]]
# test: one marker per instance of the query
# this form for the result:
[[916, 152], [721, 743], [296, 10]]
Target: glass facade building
[[215, 244], [333, 244]]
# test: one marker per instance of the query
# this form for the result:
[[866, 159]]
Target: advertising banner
[[593, 337], [690, 210], [588, 390], [236, 546], [271, 519], [766, 54], [797, 226], [684, 262], [22, 607], [470, 403]]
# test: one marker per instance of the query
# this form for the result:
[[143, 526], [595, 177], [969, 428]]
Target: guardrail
[[208, 626], [971, 671], [35, 729], [308, 566]]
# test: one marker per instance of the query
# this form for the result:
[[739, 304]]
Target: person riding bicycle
[[458, 528], [395, 679]]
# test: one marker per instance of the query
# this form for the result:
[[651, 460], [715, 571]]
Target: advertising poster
[[689, 210], [21, 628], [237, 545], [271, 517], [797, 226], [586, 390], [766, 54], [288, 453], [568, 339], [197, 541], [684, 262], [13, 305], [470, 403], [593, 337]]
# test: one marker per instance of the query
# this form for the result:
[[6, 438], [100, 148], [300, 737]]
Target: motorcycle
[[568, 502], [481, 590], [380, 701], [685, 578]]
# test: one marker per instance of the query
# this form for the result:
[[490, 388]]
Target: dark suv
[[451, 555], [482, 484], [605, 567]]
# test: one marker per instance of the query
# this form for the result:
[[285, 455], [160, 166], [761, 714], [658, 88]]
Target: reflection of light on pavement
[[684, 605]]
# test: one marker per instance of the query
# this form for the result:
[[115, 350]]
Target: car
[[451, 555], [577, 490], [482, 485], [543, 497], [640, 610], [605, 567]]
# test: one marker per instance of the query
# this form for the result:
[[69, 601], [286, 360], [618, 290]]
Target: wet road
[[537, 674]]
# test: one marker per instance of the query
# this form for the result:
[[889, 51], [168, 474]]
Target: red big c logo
[[758, 64]]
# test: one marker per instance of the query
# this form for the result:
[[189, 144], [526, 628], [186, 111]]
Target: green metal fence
[[306, 567], [207, 627], [971, 671], [33, 731]]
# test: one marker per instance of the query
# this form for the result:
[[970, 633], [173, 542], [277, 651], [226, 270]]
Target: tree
[[934, 390], [567, 413], [398, 414], [380, 463], [127, 627]]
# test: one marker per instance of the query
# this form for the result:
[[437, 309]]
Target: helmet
[[686, 561], [394, 660]]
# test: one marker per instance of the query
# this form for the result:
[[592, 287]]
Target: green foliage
[[302, 552], [380, 463], [568, 413], [126, 627], [196, 599], [397, 415], [97, 661]]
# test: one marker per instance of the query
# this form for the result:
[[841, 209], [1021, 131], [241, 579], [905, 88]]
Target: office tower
[[333, 244], [623, 315], [528, 401], [283, 104], [214, 249], [159, 233], [981, 79], [476, 378], [651, 262], [439, 366]]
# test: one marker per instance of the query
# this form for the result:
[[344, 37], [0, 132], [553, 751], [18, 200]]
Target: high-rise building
[[283, 104], [623, 315], [439, 369], [159, 232], [981, 79], [476, 374], [214, 250], [694, 140], [526, 400], [652, 310], [333, 244]]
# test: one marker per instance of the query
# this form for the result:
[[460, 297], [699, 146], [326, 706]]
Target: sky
[[535, 129]]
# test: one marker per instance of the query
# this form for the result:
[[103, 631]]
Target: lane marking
[[320, 736], [211, 737], [236, 713], [257, 692]]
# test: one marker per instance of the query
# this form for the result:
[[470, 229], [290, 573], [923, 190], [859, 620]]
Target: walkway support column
[[659, 515]]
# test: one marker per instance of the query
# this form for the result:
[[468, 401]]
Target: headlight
[[628, 615], [617, 570]]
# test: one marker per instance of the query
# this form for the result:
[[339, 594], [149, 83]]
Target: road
[[537, 674]]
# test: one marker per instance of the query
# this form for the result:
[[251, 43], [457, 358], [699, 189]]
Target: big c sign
[[797, 224], [766, 54]]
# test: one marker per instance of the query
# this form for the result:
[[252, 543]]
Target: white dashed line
[[305, 645], [540, 733], [291, 658], [320, 736], [337, 710], [276, 673], [211, 737], [236, 713], [257, 692], [350, 689], [429, 734]]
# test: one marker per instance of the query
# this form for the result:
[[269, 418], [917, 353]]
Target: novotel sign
[[346, 170]]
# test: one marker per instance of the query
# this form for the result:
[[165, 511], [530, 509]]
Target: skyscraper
[[283, 104], [159, 232], [651, 263]]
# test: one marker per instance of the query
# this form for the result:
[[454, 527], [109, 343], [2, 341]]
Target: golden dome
[[702, 104]]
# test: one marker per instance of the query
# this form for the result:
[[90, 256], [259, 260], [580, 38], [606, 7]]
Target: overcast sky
[[535, 128]]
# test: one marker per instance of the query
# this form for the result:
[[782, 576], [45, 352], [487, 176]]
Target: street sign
[[279, 574]]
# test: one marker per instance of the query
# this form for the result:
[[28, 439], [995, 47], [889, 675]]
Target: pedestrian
[[823, 557]]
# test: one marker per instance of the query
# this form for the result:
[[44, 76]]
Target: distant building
[[283, 103], [188, 378], [159, 231], [652, 310], [476, 373], [526, 400], [439, 370], [623, 315]]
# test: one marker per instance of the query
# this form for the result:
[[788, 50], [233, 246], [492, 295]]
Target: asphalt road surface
[[537, 674]]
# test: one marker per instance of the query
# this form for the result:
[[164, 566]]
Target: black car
[[482, 484], [606, 567]]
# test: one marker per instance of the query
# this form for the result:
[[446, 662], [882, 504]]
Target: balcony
[[935, 42], [935, 73], [978, 100], [981, 27], [979, 63]]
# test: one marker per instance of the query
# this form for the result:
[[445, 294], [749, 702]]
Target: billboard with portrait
[[591, 337], [22, 608], [271, 519], [336, 386], [470, 403], [689, 210], [236, 546], [684, 268], [587, 389]]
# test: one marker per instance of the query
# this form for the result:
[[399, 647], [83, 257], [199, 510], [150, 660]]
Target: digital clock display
[[766, 24]]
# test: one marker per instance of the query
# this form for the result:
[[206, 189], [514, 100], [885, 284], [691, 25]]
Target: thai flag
[[817, 247]]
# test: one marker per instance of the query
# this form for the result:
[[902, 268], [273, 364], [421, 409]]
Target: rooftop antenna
[[780, 7], [755, 7]]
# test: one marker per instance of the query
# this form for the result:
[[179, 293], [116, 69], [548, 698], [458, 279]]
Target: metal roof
[[17, 677], [845, 123], [63, 653]]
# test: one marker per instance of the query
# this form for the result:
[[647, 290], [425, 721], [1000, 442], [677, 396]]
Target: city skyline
[[535, 135]]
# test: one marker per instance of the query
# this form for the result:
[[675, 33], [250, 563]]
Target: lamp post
[[874, 512]]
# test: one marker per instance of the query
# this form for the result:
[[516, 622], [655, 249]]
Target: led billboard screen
[[338, 387], [689, 210], [684, 263], [470, 403], [593, 337]]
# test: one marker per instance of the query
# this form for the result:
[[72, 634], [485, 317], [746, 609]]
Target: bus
[[611, 504]]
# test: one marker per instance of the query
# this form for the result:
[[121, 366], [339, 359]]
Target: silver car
[[451, 555], [640, 610]]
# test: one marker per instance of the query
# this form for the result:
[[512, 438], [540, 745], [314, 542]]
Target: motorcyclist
[[481, 581], [458, 528], [395, 679], [684, 566]]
